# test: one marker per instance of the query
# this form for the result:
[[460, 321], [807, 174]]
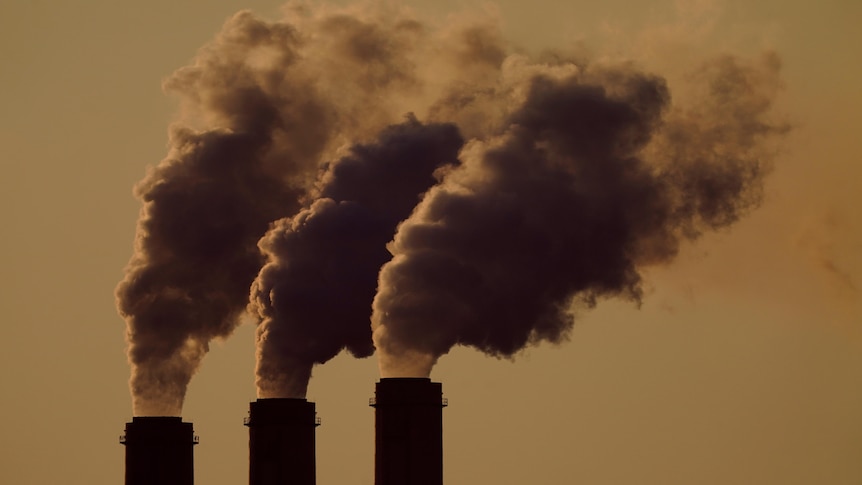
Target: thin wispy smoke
[[518, 186]]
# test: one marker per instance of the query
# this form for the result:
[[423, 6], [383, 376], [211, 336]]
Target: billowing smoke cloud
[[594, 176], [314, 295], [263, 104], [574, 177], [208, 202]]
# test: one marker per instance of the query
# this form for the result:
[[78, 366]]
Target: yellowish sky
[[743, 366]]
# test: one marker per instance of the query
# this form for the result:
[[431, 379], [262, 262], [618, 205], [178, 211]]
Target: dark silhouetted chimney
[[408, 415], [159, 451], [281, 442]]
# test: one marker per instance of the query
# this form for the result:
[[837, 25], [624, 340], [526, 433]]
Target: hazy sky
[[744, 364]]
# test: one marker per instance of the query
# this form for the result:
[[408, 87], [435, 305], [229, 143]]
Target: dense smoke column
[[575, 177], [207, 204], [595, 177], [261, 106], [314, 295]]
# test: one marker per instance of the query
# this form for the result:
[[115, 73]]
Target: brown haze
[[291, 168]]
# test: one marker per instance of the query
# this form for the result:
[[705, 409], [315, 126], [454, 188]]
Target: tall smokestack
[[281, 442], [408, 415], [159, 451]]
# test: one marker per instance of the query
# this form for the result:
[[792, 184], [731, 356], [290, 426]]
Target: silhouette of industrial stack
[[408, 416], [281, 442], [159, 450]]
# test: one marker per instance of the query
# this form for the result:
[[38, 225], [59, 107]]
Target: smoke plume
[[208, 202], [594, 176], [313, 296], [262, 104], [520, 186]]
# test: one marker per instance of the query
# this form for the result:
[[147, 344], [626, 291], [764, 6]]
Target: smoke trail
[[208, 202], [594, 176], [313, 296], [574, 177], [263, 103]]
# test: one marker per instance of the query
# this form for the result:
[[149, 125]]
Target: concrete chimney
[[408, 415], [281, 442], [159, 451]]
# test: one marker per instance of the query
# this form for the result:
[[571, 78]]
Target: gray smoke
[[262, 103], [594, 176], [313, 296], [209, 201], [291, 177]]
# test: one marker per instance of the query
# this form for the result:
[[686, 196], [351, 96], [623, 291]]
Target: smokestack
[[159, 451], [408, 415], [281, 442]]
